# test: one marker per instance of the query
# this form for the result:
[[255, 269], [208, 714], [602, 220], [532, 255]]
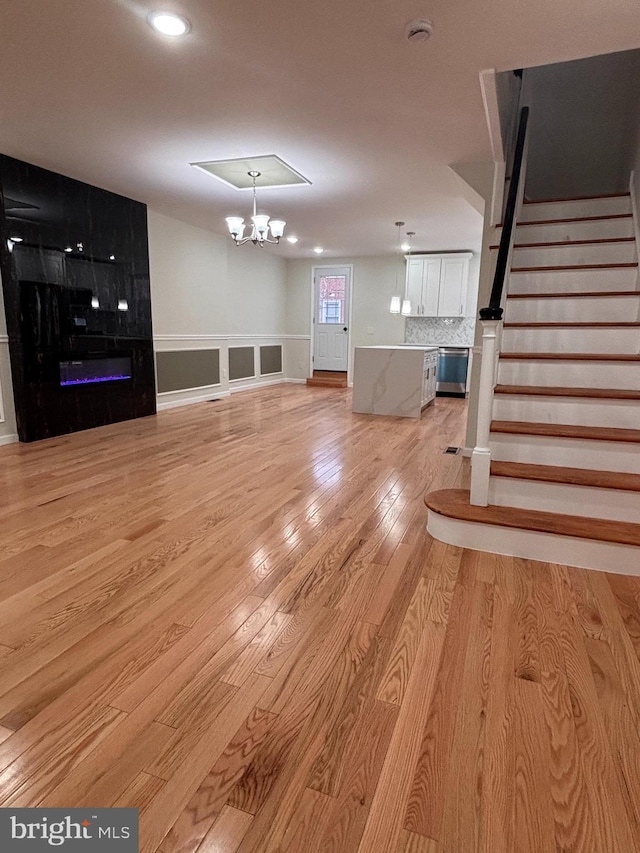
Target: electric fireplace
[[88, 371]]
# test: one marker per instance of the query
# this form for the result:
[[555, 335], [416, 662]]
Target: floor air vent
[[454, 450]]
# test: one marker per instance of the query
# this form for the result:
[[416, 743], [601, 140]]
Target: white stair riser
[[565, 498], [583, 310], [624, 278], [589, 229], [624, 414], [568, 452], [579, 207], [567, 339], [568, 255], [570, 374]]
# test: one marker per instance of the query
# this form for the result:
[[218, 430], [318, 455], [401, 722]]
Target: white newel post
[[481, 456]]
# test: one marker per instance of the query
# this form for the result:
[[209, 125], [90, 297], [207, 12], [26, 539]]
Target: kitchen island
[[394, 380]]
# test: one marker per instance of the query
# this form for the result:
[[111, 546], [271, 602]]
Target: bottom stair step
[[454, 503], [548, 488], [602, 544], [328, 379]]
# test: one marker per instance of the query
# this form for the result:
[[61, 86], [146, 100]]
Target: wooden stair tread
[[571, 476], [564, 324], [328, 379], [570, 356], [574, 198], [566, 431], [559, 391], [454, 503], [552, 244], [568, 267], [572, 219], [571, 294]]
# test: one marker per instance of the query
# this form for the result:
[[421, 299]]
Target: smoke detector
[[419, 30]]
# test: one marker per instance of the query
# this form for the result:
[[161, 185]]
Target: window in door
[[331, 297]]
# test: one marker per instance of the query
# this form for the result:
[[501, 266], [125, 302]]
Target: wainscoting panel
[[241, 363], [180, 370], [270, 359]]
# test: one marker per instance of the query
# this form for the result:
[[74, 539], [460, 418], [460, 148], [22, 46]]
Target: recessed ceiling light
[[292, 239], [169, 24], [112, 257], [318, 250]]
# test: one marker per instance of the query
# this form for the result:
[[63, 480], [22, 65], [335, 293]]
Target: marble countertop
[[423, 347]]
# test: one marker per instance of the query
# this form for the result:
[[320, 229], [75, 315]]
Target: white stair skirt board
[[573, 374], [569, 254], [578, 411], [610, 309], [577, 207], [531, 545], [587, 229], [590, 501], [621, 278], [572, 339], [591, 454]]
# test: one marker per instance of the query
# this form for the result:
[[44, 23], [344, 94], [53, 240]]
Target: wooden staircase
[[565, 440], [328, 379]]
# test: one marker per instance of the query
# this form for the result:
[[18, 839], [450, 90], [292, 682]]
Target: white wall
[[583, 125], [188, 268], [256, 288], [374, 283], [207, 293]]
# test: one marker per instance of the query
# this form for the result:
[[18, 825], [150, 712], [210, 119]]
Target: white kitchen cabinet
[[436, 285], [429, 377]]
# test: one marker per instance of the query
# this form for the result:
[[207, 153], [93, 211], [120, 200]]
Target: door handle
[[344, 329]]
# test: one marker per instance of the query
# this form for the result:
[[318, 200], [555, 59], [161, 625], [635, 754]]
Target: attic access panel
[[274, 172]]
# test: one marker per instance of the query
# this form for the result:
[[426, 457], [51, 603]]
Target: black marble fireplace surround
[[77, 299]]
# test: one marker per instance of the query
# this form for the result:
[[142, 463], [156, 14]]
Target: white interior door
[[331, 286]]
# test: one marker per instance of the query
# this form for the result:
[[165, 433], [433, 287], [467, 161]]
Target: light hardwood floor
[[231, 616]]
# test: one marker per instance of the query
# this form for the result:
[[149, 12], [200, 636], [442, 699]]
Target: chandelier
[[260, 224]]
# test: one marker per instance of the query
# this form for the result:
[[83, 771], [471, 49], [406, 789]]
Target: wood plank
[[596, 324], [573, 294], [385, 819], [570, 356], [282, 496], [567, 431], [554, 391], [574, 476], [208, 801], [226, 835], [561, 267]]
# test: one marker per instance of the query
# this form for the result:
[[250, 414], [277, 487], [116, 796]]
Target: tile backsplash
[[440, 331]]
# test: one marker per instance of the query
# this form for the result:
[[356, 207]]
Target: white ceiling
[[89, 90]]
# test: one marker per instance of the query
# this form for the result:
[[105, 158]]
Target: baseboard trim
[[163, 405], [12, 438], [234, 389], [214, 393]]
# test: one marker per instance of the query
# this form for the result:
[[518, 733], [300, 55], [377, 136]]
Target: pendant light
[[406, 303], [394, 307]]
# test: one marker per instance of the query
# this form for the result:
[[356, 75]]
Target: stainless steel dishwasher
[[451, 376]]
